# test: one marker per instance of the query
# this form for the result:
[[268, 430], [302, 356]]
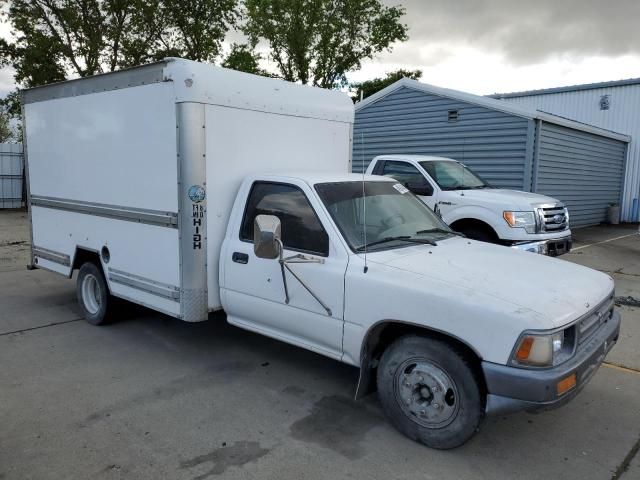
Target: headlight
[[543, 350], [526, 220]]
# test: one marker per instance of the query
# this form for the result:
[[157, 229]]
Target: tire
[[93, 294], [480, 235], [430, 392]]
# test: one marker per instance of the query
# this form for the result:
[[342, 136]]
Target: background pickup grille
[[553, 218]]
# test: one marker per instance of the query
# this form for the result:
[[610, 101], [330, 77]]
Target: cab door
[[409, 175], [252, 288]]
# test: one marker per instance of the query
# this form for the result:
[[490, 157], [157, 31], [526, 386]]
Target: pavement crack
[[624, 466], [41, 326], [621, 367]]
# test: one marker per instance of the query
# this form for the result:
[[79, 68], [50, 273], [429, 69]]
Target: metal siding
[[11, 173], [583, 170], [623, 116], [408, 121]]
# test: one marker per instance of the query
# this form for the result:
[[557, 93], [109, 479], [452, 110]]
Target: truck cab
[[470, 205], [360, 270]]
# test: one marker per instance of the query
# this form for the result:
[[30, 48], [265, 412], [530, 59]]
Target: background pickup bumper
[[512, 389], [552, 247]]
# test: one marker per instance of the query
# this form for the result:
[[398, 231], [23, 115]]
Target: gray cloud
[[525, 31]]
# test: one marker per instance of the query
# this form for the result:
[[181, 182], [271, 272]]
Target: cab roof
[[320, 177], [415, 158]]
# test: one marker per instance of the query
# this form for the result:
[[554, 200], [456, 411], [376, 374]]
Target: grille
[[591, 323], [553, 218]]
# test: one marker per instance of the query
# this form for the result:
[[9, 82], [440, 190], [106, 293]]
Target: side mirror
[[425, 190], [266, 236]]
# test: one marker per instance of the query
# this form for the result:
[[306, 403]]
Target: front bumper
[[552, 247], [512, 389]]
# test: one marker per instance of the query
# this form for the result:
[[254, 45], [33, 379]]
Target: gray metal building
[[11, 175], [611, 105], [510, 146]]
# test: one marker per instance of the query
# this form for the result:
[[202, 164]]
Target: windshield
[[394, 216], [453, 175]]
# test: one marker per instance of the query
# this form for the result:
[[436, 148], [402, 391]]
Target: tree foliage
[[56, 39], [244, 58], [369, 87], [319, 41], [6, 132]]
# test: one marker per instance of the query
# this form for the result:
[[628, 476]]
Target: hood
[[557, 290], [511, 199]]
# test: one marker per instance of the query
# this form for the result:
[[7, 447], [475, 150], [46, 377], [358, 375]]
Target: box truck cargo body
[[142, 166]]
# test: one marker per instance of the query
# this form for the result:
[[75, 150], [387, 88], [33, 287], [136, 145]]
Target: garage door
[[582, 169]]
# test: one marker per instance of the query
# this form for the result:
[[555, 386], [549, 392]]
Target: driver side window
[[301, 228], [409, 176]]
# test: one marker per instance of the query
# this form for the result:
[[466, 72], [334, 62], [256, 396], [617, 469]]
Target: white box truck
[[189, 189]]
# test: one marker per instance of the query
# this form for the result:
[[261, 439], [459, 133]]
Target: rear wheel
[[93, 294], [430, 392]]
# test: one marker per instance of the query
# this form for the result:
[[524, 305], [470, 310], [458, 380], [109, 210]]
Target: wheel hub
[[91, 294], [426, 393]]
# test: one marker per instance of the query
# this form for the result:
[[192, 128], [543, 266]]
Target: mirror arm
[[297, 259]]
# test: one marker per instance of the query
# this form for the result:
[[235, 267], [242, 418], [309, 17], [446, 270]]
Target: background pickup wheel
[[93, 294], [430, 391]]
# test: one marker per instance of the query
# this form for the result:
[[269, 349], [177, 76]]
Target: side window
[[403, 172], [301, 228], [409, 176]]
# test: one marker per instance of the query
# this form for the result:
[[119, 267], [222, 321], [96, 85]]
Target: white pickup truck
[[143, 183], [467, 203]]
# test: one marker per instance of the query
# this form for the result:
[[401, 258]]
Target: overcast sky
[[489, 46]]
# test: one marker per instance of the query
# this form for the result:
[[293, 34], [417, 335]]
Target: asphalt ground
[[150, 397]]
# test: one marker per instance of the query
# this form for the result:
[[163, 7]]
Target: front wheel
[[430, 392], [93, 294]]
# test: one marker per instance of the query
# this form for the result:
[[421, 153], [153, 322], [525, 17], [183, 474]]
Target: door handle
[[240, 257]]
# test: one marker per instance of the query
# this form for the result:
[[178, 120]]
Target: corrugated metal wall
[[407, 121], [11, 171], [583, 170], [622, 116]]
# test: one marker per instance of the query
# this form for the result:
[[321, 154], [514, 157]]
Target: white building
[[610, 105]]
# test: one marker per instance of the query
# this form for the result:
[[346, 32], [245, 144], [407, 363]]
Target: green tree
[[369, 87], [6, 132], [319, 41], [57, 39], [244, 58]]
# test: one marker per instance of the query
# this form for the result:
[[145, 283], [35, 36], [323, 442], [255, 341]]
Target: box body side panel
[[116, 147]]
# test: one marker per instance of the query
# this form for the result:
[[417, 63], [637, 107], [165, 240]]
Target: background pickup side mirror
[[266, 236], [425, 190]]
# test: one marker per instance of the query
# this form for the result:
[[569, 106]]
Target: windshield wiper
[[402, 238], [440, 230]]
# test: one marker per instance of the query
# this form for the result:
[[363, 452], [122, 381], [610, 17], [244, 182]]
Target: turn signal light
[[525, 348], [566, 384]]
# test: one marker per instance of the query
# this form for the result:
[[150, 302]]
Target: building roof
[[569, 88], [490, 103]]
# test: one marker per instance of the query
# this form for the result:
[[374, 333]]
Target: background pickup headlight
[[544, 350], [526, 220]]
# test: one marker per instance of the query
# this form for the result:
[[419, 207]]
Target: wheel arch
[[83, 255], [476, 223], [381, 334]]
